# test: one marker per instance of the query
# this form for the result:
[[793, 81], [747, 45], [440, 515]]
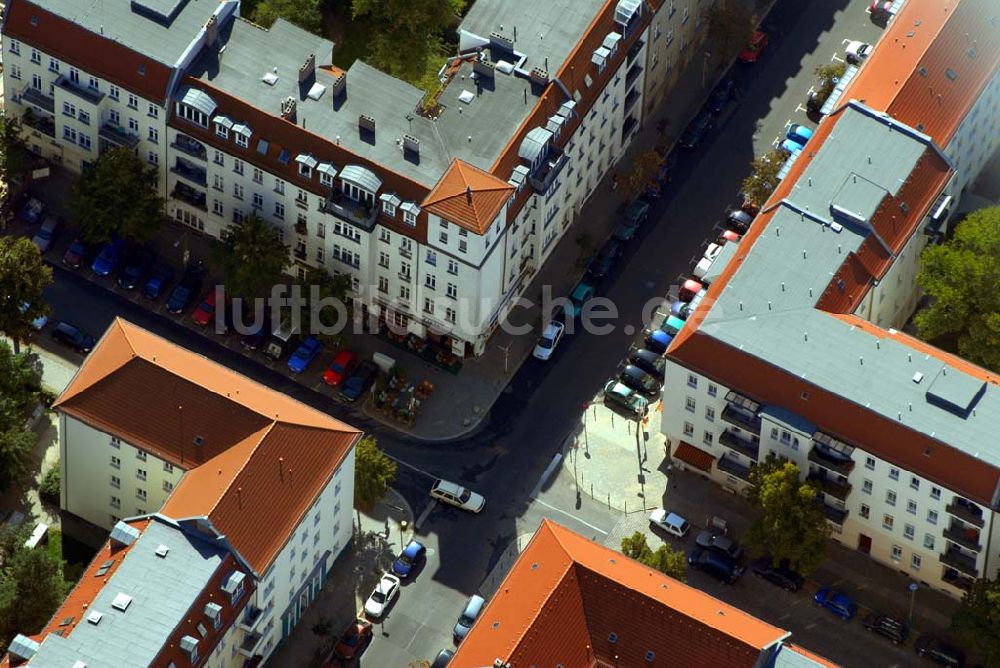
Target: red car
[[206, 309], [751, 52], [355, 640], [340, 368], [880, 8]]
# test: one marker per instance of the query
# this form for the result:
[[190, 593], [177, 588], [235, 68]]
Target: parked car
[[939, 651], [640, 381], [205, 311], [305, 354], [470, 613], [456, 495], [705, 263], [76, 254], [108, 258], [183, 293], [46, 234], [681, 309], [32, 211], [777, 574], [672, 325], [657, 340], [442, 659], [886, 625], [856, 51], [738, 220], [836, 602], [672, 523], [359, 381], [135, 266], [880, 9], [70, 335], [714, 540], [799, 133], [408, 560], [257, 332], [721, 96], [283, 340], [340, 368], [582, 293], [547, 342], [716, 564], [633, 217], [751, 52], [605, 260], [814, 103], [354, 640], [382, 596], [158, 282], [38, 324], [696, 130], [790, 146], [620, 395], [728, 236], [650, 362]]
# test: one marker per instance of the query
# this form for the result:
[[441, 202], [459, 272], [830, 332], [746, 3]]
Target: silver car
[[46, 234]]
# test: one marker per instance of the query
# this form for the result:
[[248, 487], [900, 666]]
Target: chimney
[[288, 109], [366, 122], [468, 195], [483, 67], [308, 69], [339, 82], [539, 76], [211, 30], [498, 39], [411, 144]]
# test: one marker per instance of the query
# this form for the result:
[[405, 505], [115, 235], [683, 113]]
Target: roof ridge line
[[238, 471], [118, 323]]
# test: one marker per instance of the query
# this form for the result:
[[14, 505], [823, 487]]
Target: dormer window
[[233, 585], [190, 646], [306, 164], [360, 183], [222, 126], [326, 173], [410, 213], [196, 106], [389, 204], [242, 135]]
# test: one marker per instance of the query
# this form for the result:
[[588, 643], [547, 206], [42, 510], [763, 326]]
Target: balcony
[[360, 213], [187, 171], [630, 99], [190, 146], [251, 642], [44, 124], [632, 74], [835, 515], [741, 419], [830, 485], [830, 460], [955, 579], [965, 511], [117, 135], [90, 95], [630, 125], [732, 440], [248, 620], [543, 177], [960, 561], [964, 535], [39, 100], [299, 253], [189, 195], [733, 467], [634, 51]]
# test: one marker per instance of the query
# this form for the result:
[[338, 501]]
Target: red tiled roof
[[696, 457], [81, 48], [566, 595], [468, 196]]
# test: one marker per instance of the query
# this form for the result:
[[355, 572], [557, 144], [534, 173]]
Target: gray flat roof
[[132, 24], [162, 590], [767, 307]]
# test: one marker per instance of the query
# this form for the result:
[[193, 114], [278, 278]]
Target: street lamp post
[[913, 592], [704, 68], [403, 526]]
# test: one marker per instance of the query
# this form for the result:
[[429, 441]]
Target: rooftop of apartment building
[[572, 602], [150, 592]]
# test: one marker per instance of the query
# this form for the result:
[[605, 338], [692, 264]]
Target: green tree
[[791, 524], [664, 559], [961, 277], [730, 25], [636, 547], [409, 32], [20, 386], [827, 77], [977, 621], [16, 447], [373, 473], [24, 277], [644, 170], [252, 258], [303, 13], [31, 586], [763, 177], [49, 488], [14, 155], [327, 296], [117, 196]]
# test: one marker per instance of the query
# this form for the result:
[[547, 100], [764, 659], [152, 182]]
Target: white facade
[[675, 34], [975, 139]]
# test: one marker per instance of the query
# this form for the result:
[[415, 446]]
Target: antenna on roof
[[281, 467]]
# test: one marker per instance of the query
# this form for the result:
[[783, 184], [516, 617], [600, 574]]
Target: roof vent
[[917, 377], [198, 440], [922, 71], [79, 664], [22, 647], [162, 551], [95, 617], [316, 91], [270, 78], [466, 96], [612, 637], [124, 534], [121, 602], [951, 74], [650, 655]]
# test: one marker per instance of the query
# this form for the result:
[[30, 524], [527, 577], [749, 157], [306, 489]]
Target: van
[[468, 617], [282, 341]]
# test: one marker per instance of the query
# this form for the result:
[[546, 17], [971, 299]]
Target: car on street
[[836, 602], [880, 9], [442, 659], [135, 266], [582, 293], [705, 263], [617, 394], [640, 381], [633, 217], [777, 574], [547, 342], [184, 293], [887, 626], [354, 640], [657, 340], [799, 133], [605, 260], [455, 495], [814, 103], [716, 564], [72, 336], [409, 559], [340, 368], [940, 652], [713, 540], [304, 354], [359, 381], [723, 93], [46, 234], [696, 130], [158, 282], [681, 309], [32, 211], [108, 258], [672, 523], [470, 613], [738, 221], [728, 236], [38, 324], [205, 311], [382, 596], [689, 290], [650, 362], [856, 51], [751, 52], [76, 254]]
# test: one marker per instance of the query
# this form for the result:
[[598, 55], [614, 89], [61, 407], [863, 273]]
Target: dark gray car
[[640, 381], [650, 362], [711, 540]]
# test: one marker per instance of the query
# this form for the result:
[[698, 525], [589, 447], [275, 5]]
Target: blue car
[[837, 603], [305, 354], [156, 285], [799, 134], [107, 260], [409, 559], [658, 341], [182, 296], [791, 146]]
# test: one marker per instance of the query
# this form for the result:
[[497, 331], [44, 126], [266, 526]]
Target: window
[[153, 111], [866, 486], [890, 497], [887, 522], [116, 462], [453, 267], [929, 541], [258, 176], [168, 467], [140, 474], [279, 210], [443, 237], [713, 390], [909, 531], [219, 158], [320, 256], [237, 189], [897, 553], [242, 141], [154, 135], [865, 511], [302, 197], [153, 158], [709, 413], [404, 269], [36, 57], [305, 170], [893, 474], [140, 455], [432, 258], [238, 166], [114, 92], [452, 291], [430, 281], [258, 201], [217, 208], [688, 429], [690, 405], [140, 494], [388, 208], [383, 259], [692, 380], [462, 246], [428, 305], [914, 482], [383, 284], [116, 502], [116, 443], [932, 516], [385, 236], [84, 117], [168, 486], [133, 125], [116, 482], [15, 72], [279, 186], [36, 82], [449, 315], [133, 102], [915, 562], [707, 438], [320, 229], [54, 66], [935, 493], [870, 463], [911, 506], [410, 218], [15, 47], [69, 109], [404, 292], [463, 233]]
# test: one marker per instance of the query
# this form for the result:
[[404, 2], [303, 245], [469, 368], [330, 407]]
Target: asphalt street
[[540, 407]]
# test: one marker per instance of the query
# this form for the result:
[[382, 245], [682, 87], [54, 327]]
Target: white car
[[385, 592], [856, 51], [548, 341], [672, 523], [458, 496], [705, 263]]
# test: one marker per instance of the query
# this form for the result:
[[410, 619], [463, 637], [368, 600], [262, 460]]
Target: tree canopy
[[730, 25], [827, 77], [326, 296], [14, 156], [252, 257], [303, 13], [20, 391], [977, 621], [763, 177], [644, 170], [24, 277], [664, 558], [31, 585], [117, 196], [961, 277], [373, 472], [791, 524]]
